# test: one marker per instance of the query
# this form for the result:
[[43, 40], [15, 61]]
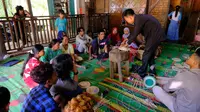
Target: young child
[[52, 51], [99, 48], [61, 23], [184, 85], [31, 62], [82, 41], [39, 98], [114, 38], [133, 47], [5, 99], [67, 85]]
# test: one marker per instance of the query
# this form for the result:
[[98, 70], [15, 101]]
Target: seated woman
[[68, 48], [31, 62], [99, 48], [66, 86], [82, 41], [52, 51], [114, 38]]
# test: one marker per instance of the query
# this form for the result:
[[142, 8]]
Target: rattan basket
[[140, 52]]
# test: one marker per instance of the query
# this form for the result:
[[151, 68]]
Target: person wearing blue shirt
[[39, 99], [173, 30], [61, 23], [99, 47]]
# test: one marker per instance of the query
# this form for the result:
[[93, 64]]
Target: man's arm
[[27, 13], [137, 29], [174, 84]]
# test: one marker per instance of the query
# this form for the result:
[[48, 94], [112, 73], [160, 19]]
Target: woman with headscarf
[[114, 38], [175, 19], [133, 47]]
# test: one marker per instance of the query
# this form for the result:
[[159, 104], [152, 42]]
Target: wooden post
[[147, 7], [5, 9], [32, 21], [2, 45]]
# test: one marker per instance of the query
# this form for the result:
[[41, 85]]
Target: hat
[[197, 51]]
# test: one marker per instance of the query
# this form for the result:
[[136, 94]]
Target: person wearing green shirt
[[52, 51]]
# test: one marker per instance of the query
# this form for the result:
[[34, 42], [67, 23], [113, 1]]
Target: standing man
[[151, 29]]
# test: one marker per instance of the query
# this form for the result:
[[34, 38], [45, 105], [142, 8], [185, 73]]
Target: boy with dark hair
[[82, 41], [67, 84], [151, 29], [61, 24], [99, 46], [185, 86], [39, 99], [5, 99]]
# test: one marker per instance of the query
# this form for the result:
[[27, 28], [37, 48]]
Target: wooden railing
[[35, 30]]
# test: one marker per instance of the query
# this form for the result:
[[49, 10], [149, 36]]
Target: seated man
[[82, 41], [185, 86], [67, 85], [5, 99], [39, 99], [99, 47]]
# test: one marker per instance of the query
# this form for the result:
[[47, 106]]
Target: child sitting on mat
[[5, 99], [67, 85], [185, 86], [39, 98], [52, 51], [114, 38], [31, 62], [82, 41]]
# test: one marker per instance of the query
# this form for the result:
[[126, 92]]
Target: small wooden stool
[[117, 56]]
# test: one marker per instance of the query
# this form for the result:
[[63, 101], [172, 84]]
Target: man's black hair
[[42, 73], [79, 29], [101, 30], [63, 65], [128, 12], [4, 97]]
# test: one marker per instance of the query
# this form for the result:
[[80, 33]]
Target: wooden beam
[[147, 7], [2, 45], [5, 9], [32, 21], [29, 7]]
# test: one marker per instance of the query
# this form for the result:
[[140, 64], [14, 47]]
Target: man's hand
[[124, 43]]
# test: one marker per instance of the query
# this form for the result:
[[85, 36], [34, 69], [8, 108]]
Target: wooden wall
[[116, 8], [174, 3], [160, 11]]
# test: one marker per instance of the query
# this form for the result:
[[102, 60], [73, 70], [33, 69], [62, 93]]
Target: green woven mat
[[10, 78]]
